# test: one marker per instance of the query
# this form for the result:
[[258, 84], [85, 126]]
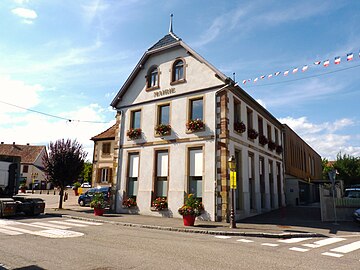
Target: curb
[[194, 230]]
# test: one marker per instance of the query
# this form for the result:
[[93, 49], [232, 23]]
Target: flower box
[[195, 125], [159, 204], [271, 145], [134, 133], [263, 140], [163, 130], [252, 133], [239, 127], [129, 202]]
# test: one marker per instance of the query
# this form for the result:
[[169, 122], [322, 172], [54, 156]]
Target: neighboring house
[[104, 158], [32, 167], [163, 154], [303, 169]]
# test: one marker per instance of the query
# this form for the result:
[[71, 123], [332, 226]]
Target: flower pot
[[23, 190], [189, 220], [99, 211], [76, 191]]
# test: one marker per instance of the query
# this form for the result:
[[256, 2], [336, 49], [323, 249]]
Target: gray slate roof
[[166, 40]]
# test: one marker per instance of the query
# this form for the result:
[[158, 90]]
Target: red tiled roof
[[28, 153], [107, 134]]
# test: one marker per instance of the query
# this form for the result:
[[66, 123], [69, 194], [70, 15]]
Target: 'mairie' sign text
[[164, 92]]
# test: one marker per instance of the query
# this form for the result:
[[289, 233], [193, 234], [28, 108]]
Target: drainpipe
[[215, 167], [121, 141]]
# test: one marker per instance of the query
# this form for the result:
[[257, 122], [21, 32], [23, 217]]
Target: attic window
[[153, 78], [178, 72]]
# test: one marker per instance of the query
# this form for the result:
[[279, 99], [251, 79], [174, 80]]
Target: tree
[[86, 173], [64, 164], [348, 168]]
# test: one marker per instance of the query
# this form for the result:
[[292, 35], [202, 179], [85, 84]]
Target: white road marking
[[293, 240], [270, 245], [347, 248], [84, 222], [9, 232], [55, 233], [324, 242], [48, 225], [68, 223], [332, 254], [222, 236], [299, 249], [245, 241]]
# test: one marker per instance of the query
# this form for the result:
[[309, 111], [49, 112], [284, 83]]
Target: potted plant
[[22, 187], [252, 133], [162, 129], [76, 188], [134, 133], [159, 203], [129, 202], [192, 208], [271, 145], [263, 140], [195, 125], [98, 203], [239, 127]]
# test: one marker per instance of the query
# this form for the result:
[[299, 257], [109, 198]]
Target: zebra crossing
[[49, 228], [337, 246]]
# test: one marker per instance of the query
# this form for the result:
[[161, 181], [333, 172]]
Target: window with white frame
[[196, 171], [196, 109], [161, 180], [153, 77], [105, 175], [178, 71], [133, 173]]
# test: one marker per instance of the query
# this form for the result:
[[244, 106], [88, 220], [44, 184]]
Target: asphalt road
[[58, 243]]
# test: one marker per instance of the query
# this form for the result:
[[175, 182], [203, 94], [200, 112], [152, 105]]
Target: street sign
[[232, 179]]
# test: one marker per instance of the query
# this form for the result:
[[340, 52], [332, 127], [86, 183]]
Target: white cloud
[[25, 13], [322, 137]]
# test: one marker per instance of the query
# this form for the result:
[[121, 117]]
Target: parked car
[[356, 215], [352, 193], [86, 185], [85, 198]]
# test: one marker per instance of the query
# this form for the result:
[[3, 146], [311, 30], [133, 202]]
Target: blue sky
[[69, 58]]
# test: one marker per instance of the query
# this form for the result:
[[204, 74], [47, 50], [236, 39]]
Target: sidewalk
[[284, 223], [268, 226]]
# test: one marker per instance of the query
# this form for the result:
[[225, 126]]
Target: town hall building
[[179, 121]]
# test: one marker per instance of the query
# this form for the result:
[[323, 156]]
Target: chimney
[[13, 143], [28, 144]]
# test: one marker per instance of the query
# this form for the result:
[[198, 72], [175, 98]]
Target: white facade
[[195, 160]]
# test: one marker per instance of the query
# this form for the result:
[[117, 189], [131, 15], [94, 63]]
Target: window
[[195, 171], [105, 175], [237, 111], [249, 114], [153, 78], [135, 119], [164, 114], [178, 71], [276, 136], [269, 132], [196, 109], [106, 148], [161, 180], [133, 173], [25, 168], [260, 125]]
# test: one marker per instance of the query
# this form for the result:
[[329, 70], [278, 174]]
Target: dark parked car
[[85, 198], [356, 215]]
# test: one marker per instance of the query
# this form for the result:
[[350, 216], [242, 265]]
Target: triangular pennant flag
[[304, 68], [244, 81], [295, 70], [349, 56], [262, 76], [326, 63], [270, 75], [256, 79], [277, 73], [317, 63], [337, 60], [286, 73]]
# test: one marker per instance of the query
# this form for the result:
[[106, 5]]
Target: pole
[[332, 175], [232, 214]]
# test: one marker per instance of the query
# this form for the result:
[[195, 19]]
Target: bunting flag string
[[326, 63]]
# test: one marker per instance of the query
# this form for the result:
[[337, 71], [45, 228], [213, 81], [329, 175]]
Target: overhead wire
[[52, 115]]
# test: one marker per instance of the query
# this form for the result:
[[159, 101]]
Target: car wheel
[[81, 203]]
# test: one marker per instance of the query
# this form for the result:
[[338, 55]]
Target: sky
[[69, 59]]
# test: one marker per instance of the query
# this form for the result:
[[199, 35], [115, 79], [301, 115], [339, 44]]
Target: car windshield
[[352, 193]]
